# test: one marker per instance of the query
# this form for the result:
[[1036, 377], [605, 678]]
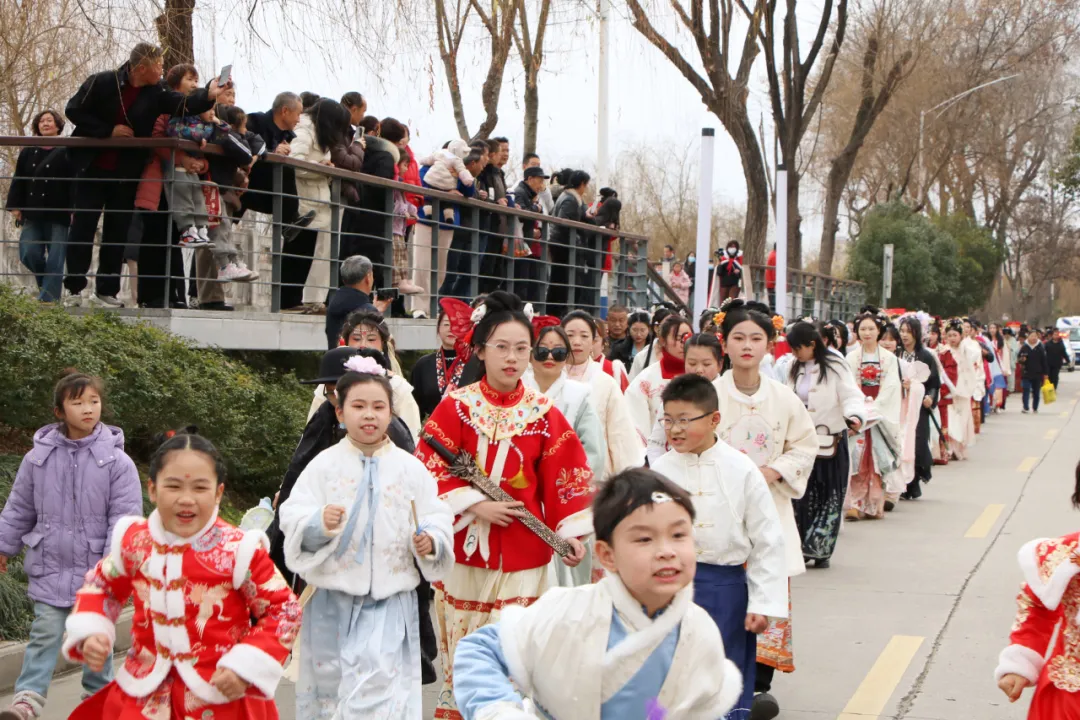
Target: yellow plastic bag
[[1048, 392]]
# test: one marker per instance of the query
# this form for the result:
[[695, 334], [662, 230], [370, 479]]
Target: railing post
[[474, 245], [275, 241], [510, 241], [571, 272], [335, 232], [167, 300], [436, 229], [545, 265], [388, 241]]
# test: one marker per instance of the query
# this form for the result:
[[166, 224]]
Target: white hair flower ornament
[[479, 313], [366, 365], [529, 312]]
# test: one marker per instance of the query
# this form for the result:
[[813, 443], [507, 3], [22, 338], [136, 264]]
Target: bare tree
[[724, 94], [498, 19], [789, 82], [176, 33], [530, 48], [451, 21]]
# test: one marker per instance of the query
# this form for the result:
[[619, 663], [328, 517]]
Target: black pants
[[763, 678], [493, 270], [1054, 374], [295, 263], [528, 279], [558, 287], [262, 178], [159, 236], [357, 238], [458, 267], [94, 190]]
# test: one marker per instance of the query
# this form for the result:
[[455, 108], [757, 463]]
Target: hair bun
[[501, 300]]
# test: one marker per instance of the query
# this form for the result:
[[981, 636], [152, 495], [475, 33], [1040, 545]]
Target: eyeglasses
[[558, 354], [682, 423], [503, 351]]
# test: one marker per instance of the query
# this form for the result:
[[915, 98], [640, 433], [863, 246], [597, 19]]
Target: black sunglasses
[[558, 354]]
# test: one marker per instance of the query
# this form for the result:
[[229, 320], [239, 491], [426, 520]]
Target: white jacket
[[335, 477], [737, 522], [834, 399], [643, 399], [312, 188], [624, 448], [446, 167]]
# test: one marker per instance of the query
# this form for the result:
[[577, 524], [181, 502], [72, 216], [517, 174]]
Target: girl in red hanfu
[[1051, 595], [214, 620], [520, 440]]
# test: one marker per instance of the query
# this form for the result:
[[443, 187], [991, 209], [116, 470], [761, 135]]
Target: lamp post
[[944, 106]]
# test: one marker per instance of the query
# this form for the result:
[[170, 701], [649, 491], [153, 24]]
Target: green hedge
[[154, 381], [16, 609]]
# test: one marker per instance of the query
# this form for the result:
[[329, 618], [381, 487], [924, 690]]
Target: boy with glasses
[[742, 574]]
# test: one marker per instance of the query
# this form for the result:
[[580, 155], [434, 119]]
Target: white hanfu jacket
[[380, 564], [643, 400], [737, 522], [972, 352], [574, 401], [546, 646], [624, 448], [773, 428], [833, 399]]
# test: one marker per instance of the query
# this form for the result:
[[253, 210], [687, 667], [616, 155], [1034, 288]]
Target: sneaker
[[765, 707], [108, 301], [233, 272], [289, 233], [192, 239], [204, 234], [27, 706], [75, 299], [406, 287], [252, 275], [1025, 411]]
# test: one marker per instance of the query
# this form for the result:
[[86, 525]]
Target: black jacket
[[344, 301], [372, 221], [623, 350], [261, 125], [96, 109], [425, 382], [238, 154], [1056, 354], [526, 199], [1034, 362], [39, 188]]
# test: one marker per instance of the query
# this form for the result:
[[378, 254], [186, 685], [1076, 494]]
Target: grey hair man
[[357, 279]]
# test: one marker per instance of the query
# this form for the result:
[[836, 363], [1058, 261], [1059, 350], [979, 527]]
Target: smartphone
[[387, 294], [225, 76]]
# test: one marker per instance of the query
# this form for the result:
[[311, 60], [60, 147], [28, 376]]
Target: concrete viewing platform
[[250, 329]]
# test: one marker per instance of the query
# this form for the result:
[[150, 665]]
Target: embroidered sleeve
[[445, 426], [1030, 637], [566, 482], [98, 604], [258, 659], [800, 449]]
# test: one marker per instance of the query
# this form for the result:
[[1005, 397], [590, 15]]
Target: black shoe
[[177, 305], [289, 233], [906, 496], [822, 563], [889, 506], [765, 707], [216, 306]]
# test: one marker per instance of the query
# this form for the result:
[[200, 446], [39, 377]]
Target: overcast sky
[[650, 102]]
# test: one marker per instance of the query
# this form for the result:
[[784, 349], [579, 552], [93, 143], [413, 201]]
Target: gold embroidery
[[1064, 668], [1024, 604], [208, 598], [559, 443], [1050, 562]]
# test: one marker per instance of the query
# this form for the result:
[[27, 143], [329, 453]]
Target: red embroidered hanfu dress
[[945, 402], [214, 600], [520, 439], [1050, 597]]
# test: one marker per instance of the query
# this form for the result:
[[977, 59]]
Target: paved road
[[908, 622]]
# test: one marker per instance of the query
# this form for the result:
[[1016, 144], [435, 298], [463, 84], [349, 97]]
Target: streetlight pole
[[602, 101], [944, 107]]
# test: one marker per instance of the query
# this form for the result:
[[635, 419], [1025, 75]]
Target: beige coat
[[313, 188]]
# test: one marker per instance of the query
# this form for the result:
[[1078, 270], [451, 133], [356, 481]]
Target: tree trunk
[[757, 189], [839, 172], [532, 111], [794, 220], [450, 63], [175, 32]]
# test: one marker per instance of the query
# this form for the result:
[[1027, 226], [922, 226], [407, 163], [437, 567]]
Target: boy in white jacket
[[741, 577], [651, 652]]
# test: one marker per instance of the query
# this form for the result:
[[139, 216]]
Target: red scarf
[[671, 366], [607, 366]]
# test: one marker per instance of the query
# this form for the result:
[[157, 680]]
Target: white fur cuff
[[254, 666], [577, 525], [462, 498], [504, 711], [82, 625], [1019, 660], [245, 551]]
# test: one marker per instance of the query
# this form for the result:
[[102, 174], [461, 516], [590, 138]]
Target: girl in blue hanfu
[[649, 651], [361, 520]]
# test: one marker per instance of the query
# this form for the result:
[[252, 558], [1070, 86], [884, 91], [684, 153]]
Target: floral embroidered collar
[[497, 415], [163, 537], [755, 400]]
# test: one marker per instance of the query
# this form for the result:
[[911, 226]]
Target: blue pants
[[39, 660], [1032, 390], [42, 249], [721, 590]]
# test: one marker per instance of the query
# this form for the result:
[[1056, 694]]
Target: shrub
[[16, 609], [154, 381]]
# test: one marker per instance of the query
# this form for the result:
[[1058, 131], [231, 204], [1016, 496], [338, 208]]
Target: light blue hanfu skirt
[[359, 658]]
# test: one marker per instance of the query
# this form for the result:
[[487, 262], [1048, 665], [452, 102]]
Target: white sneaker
[[406, 287], [232, 272], [204, 234], [75, 299], [192, 239], [252, 275], [108, 301]]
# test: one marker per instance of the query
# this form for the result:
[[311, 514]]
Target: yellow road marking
[[985, 522], [1028, 463], [877, 687], [1064, 413], [1051, 434]]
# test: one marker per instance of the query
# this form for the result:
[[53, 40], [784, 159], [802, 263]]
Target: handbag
[[1049, 394], [827, 442]]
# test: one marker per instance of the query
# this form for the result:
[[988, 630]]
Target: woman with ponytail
[[643, 395], [520, 441]]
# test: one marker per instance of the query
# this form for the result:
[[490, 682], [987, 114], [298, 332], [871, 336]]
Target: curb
[[11, 654]]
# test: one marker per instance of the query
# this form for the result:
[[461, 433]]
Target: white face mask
[[689, 258]]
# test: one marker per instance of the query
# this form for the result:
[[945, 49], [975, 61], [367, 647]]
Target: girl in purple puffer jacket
[[69, 492]]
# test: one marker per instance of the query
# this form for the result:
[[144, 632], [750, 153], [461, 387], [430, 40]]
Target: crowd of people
[[162, 201], [627, 490]]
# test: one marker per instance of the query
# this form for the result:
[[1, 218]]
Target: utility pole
[[602, 99], [704, 223]]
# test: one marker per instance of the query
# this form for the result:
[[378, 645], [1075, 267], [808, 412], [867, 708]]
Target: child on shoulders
[[357, 518], [651, 651], [741, 577]]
